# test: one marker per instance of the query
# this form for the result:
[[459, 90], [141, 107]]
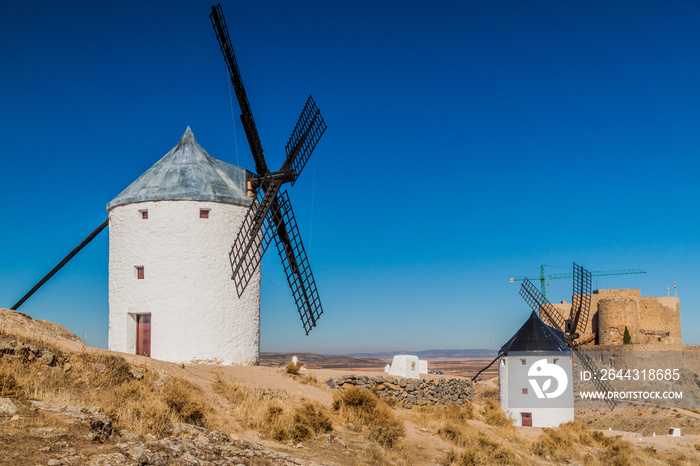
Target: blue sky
[[467, 142]]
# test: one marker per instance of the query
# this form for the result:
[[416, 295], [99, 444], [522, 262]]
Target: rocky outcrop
[[186, 445], [15, 350], [191, 445], [7, 406], [410, 392], [20, 322]]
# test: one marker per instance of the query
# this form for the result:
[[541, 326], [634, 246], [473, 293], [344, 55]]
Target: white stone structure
[[537, 416], [422, 366], [171, 296], [405, 365], [535, 344]]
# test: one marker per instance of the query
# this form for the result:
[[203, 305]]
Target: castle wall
[[651, 320], [564, 310], [196, 314], [660, 320], [614, 315]]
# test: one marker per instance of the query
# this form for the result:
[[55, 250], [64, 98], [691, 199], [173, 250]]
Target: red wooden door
[[527, 419], [143, 334]]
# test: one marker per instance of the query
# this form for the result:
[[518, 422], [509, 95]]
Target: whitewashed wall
[[405, 365], [541, 417], [196, 314]]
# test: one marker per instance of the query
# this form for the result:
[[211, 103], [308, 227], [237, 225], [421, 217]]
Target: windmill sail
[[538, 303], [581, 299], [251, 130], [602, 385], [271, 214], [309, 129], [254, 237], [296, 265]]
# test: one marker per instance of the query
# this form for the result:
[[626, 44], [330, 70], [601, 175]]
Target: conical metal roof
[[535, 335], [187, 172]]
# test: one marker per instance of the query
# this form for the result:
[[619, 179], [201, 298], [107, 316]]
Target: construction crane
[[544, 277]]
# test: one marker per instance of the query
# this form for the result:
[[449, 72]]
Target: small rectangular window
[[144, 214], [203, 213], [139, 272]]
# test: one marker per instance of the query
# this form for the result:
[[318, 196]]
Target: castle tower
[[171, 296]]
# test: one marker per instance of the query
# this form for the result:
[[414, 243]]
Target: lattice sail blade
[[307, 132], [251, 130], [296, 265], [538, 303], [602, 385], [254, 237], [581, 299]]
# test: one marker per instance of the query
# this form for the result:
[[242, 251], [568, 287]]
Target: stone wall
[[410, 392], [659, 320], [651, 320]]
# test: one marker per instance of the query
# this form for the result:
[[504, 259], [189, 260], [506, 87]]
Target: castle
[[650, 320]]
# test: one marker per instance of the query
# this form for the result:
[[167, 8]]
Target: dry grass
[[186, 400], [490, 394], [309, 379], [478, 447], [573, 441], [399, 454], [8, 384], [494, 416], [481, 450], [474, 444], [433, 417], [94, 378], [364, 409], [294, 368], [558, 443], [273, 412], [152, 404], [492, 413]]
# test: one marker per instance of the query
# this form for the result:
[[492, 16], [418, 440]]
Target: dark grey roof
[[535, 335], [187, 172]]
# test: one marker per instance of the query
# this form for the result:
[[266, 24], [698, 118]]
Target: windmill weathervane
[[270, 215]]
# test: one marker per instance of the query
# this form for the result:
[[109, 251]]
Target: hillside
[[62, 403]]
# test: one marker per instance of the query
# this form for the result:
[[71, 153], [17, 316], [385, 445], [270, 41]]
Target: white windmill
[[187, 238]]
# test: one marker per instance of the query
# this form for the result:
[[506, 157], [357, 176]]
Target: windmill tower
[[170, 290], [174, 292], [539, 357], [533, 355]]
